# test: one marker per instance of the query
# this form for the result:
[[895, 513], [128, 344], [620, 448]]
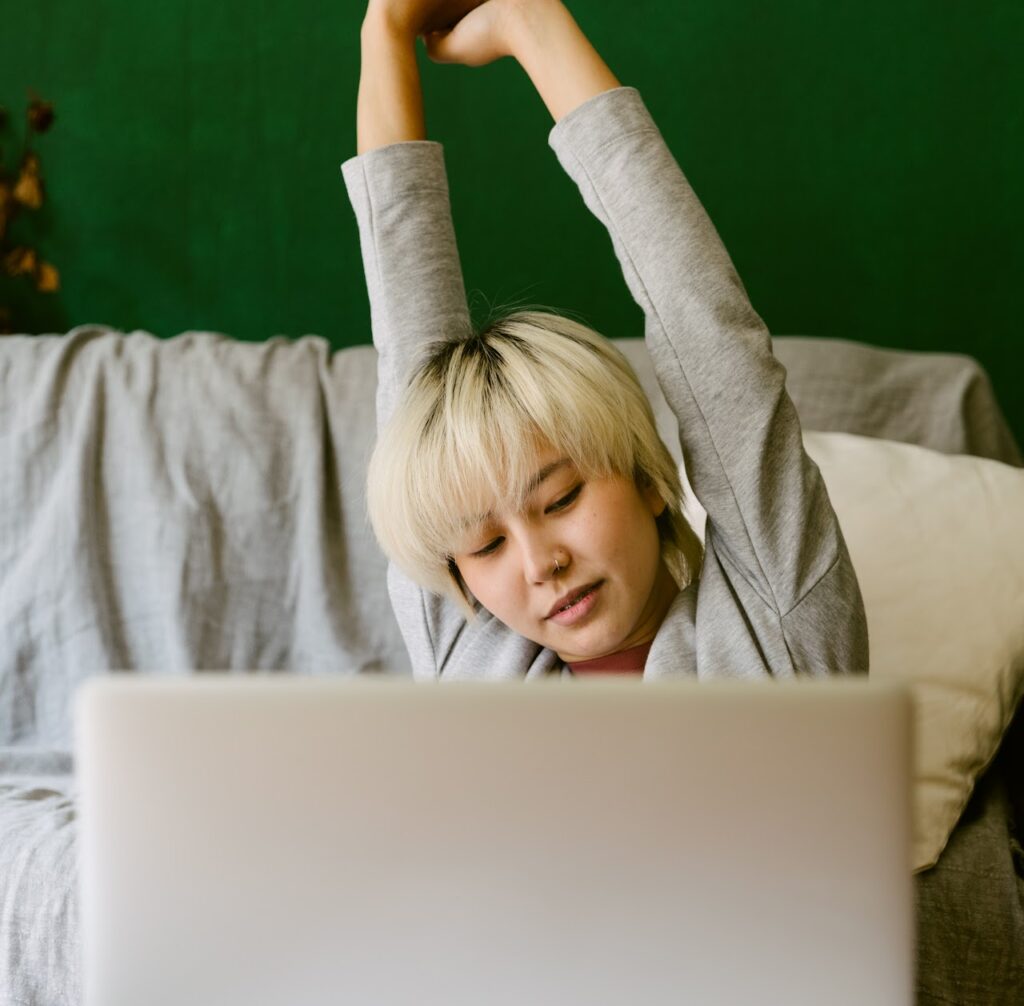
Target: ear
[[653, 499]]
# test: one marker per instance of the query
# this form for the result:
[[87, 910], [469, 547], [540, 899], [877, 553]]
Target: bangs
[[497, 408]]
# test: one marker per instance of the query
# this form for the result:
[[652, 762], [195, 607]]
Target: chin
[[588, 649]]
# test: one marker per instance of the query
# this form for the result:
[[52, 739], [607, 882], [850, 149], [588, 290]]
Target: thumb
[[439, 46], [472, 40]]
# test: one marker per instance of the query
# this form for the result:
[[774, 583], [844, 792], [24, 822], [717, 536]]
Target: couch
[[170, 506]]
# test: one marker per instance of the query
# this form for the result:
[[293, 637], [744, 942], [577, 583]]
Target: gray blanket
[[196, 503]]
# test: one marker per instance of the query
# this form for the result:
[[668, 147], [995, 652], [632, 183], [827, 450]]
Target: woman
[[529, 511]]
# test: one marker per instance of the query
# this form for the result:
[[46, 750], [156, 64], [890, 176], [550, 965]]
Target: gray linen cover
[[197, 503]]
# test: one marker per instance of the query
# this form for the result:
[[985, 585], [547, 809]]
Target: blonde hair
[[467, 431]]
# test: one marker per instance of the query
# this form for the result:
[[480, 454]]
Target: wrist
[[381, 25], [556, 55], [389, 107], [529, 23]]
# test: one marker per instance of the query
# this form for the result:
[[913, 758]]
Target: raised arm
[[399, 191], [771, 528]]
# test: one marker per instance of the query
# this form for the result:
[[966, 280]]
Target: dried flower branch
[[26, 191]]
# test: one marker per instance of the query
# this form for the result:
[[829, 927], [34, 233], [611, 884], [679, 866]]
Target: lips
[[570, 597]]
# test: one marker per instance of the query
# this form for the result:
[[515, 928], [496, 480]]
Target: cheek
[[626, 535], [493, 585]]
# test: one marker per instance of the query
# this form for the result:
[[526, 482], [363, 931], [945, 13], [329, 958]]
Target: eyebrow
[[534, 483], [544, 473]]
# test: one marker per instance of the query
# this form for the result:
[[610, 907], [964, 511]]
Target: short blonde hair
[[466, 434]]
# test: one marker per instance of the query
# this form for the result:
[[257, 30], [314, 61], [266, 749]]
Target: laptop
[[276, 840]]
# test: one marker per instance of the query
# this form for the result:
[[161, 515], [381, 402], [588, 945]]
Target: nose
[[541, 555]]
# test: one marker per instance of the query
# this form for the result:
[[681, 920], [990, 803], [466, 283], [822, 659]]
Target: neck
[[663, 593]]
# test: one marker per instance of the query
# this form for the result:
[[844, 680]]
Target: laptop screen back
[[269, 840]]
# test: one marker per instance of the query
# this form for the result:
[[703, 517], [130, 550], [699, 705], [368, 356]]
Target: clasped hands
[[470, 32]]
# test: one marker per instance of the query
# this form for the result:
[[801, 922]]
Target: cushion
[[938, 544]]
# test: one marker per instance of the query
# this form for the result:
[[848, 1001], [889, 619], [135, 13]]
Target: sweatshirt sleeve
[[769, 514], [399, 194]]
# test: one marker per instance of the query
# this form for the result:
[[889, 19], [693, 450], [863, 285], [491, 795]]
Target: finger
[[438, 46]]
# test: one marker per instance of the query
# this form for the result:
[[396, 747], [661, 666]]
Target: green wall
[[862, 162]]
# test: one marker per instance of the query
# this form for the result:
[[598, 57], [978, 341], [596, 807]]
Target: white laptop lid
[[270, 840]]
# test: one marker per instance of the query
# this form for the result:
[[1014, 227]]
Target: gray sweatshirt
[[777, 595]]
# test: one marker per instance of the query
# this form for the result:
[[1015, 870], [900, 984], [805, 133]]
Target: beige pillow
[[938, 544]]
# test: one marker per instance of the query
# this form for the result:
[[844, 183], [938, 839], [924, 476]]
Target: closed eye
[[565, 500], [488, 549]]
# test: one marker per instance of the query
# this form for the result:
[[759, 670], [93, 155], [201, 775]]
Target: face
[[602, 534]]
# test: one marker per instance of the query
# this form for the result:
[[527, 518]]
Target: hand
[[542, 36], [483, 35], [418, 17]]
